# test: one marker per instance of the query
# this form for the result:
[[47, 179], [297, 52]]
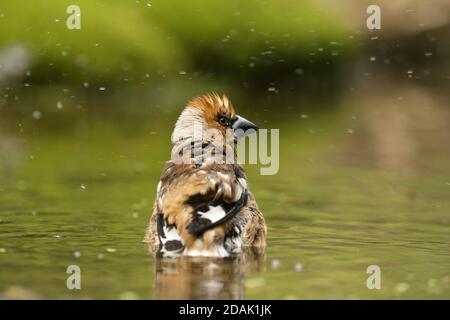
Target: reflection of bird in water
[[206, 277], [203, 205]]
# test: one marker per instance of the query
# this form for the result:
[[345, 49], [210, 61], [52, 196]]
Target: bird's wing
[[191, 201]]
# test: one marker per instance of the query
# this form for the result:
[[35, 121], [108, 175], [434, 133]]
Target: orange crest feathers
[[213, 104]]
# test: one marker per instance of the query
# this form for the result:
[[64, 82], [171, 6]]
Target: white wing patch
[[170, 234], [215, 213]]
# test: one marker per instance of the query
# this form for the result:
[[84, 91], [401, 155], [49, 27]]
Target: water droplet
[[298, 267], [77, 254], [275, 263], [37, 115], [401, 287], [432, 282], [83, 186]]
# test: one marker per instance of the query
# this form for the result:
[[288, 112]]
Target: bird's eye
[[223, 121]]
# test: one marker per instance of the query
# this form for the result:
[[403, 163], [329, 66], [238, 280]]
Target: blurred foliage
[[131, 40]]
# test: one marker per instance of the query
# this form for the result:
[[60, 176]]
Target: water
[[81, 192]]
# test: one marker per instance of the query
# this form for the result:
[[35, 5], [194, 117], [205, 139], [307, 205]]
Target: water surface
[[82, 195]]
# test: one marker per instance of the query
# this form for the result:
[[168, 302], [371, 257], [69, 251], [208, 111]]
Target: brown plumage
[[203, 206]]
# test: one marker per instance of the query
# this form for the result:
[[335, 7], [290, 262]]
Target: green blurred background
[[86, 116]]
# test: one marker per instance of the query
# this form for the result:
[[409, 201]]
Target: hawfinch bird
[[203, 205]]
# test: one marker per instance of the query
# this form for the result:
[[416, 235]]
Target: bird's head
[[211, 113]]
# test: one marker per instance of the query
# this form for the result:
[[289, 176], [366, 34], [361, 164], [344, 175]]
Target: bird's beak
[[243, 127]]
